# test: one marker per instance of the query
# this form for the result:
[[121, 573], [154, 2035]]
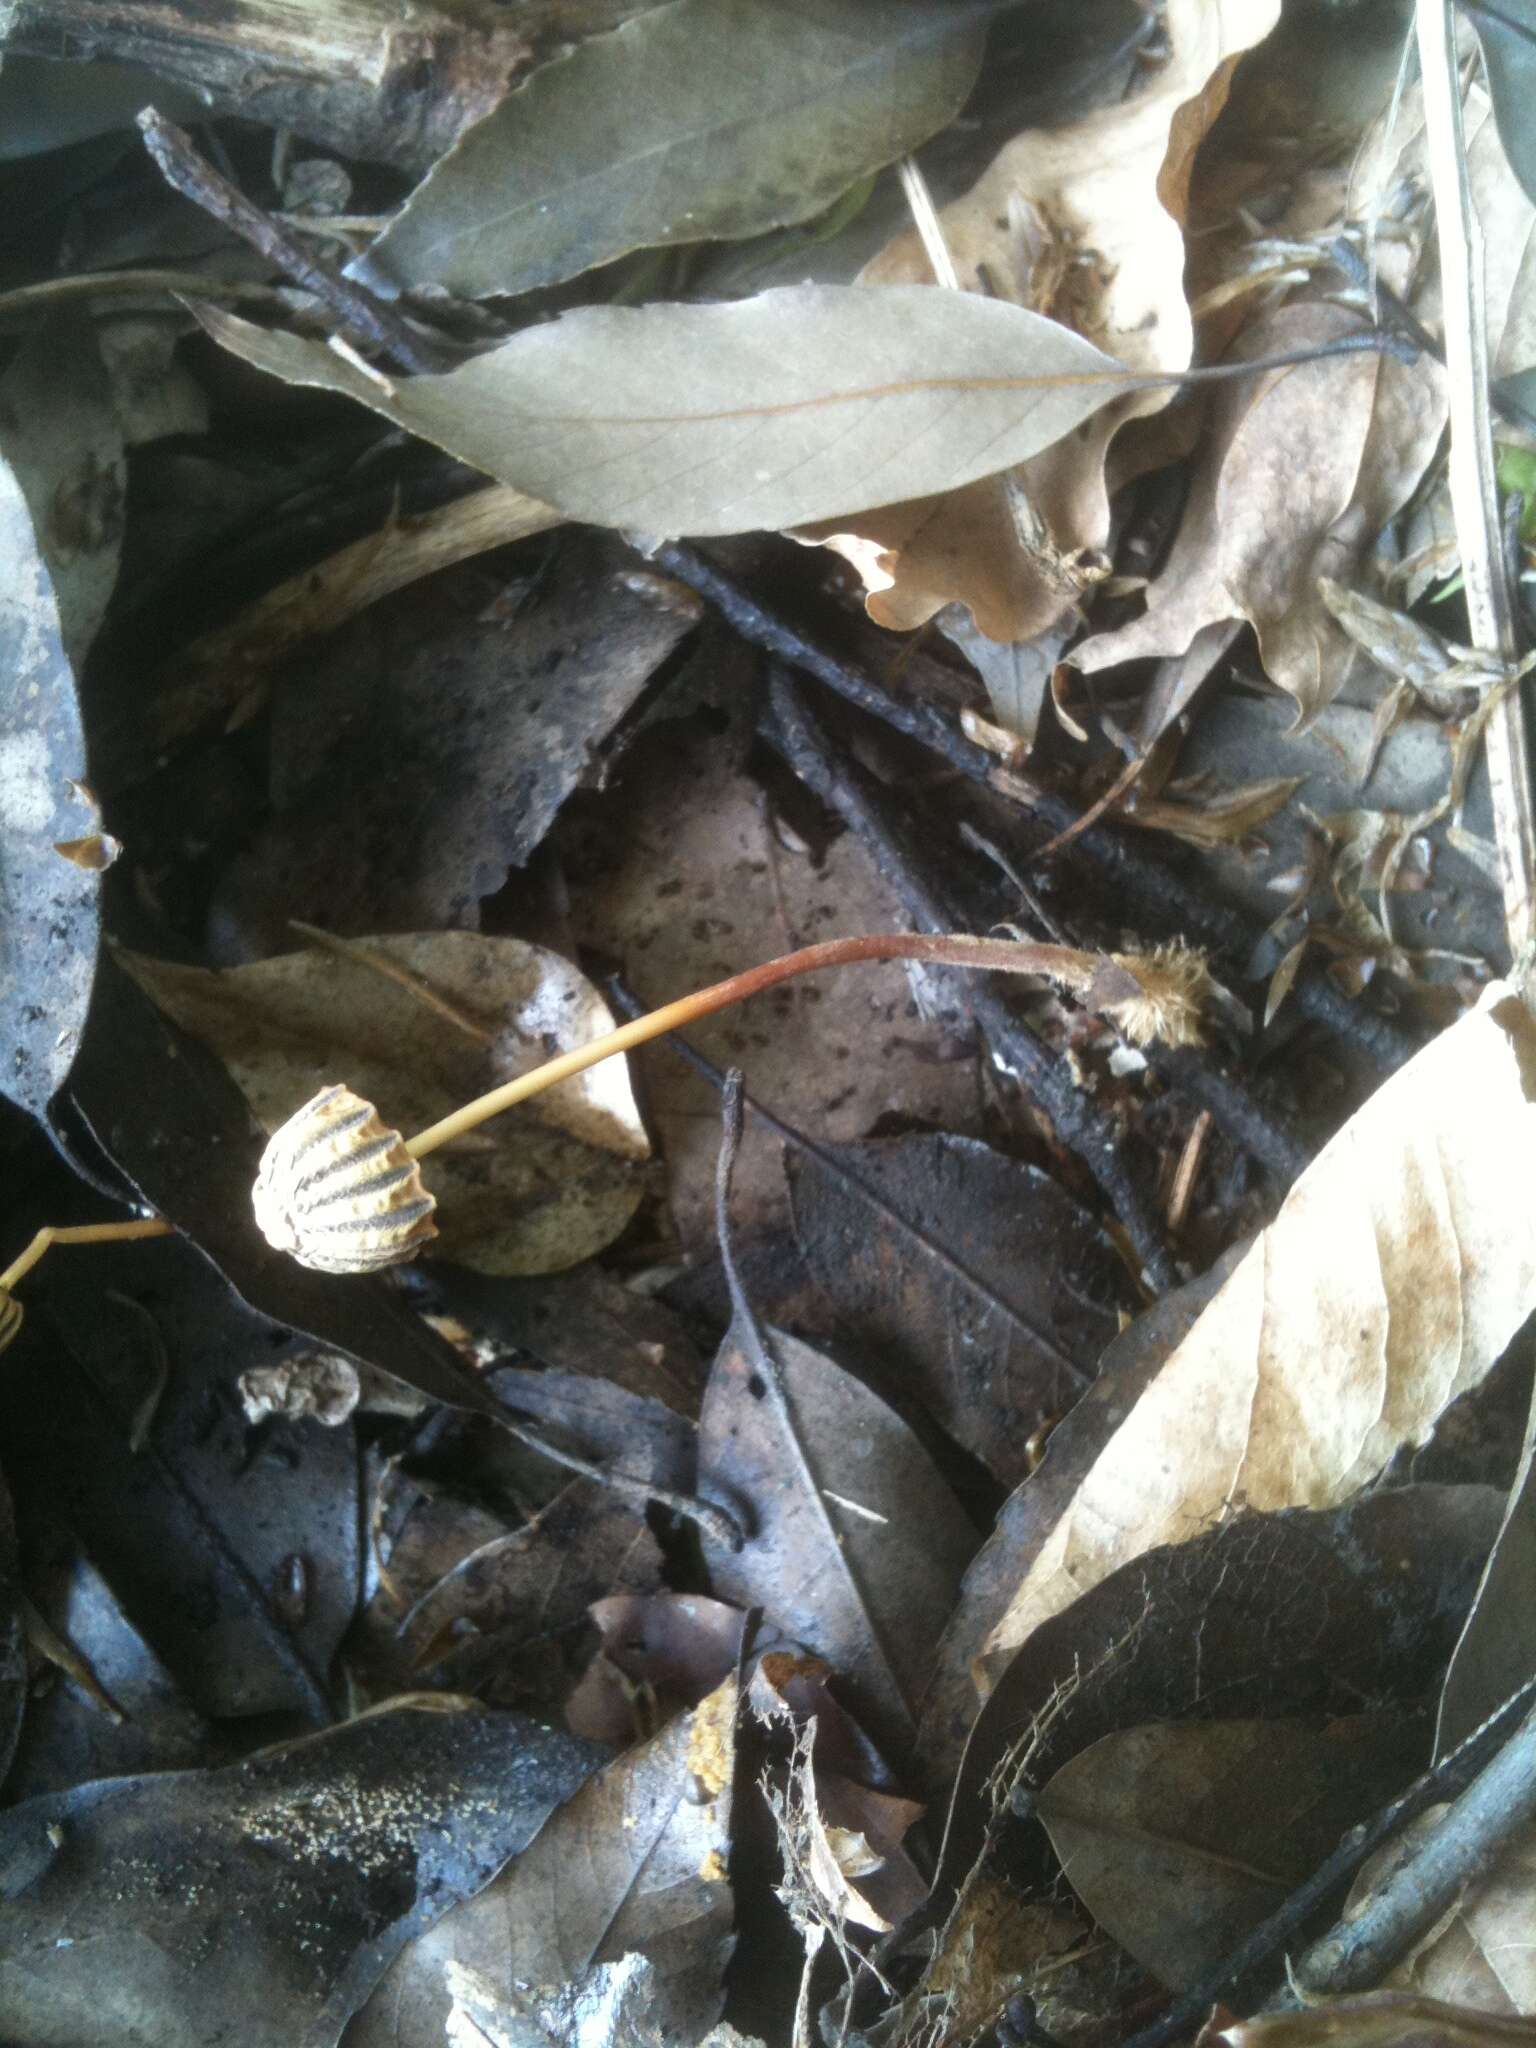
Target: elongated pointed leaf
[[798, 404], [702, 120]]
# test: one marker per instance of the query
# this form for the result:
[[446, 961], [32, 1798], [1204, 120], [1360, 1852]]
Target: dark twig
[[1445, 1781], [629, 1005], [1156, 899], [367, 320], [868, 810], [1462, 1847]]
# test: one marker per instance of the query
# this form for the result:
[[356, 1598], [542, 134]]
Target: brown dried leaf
[[634, 1864], [1398, 1268], [1083, 223], [1179, 1838], [533, 1193], [1304, 472]]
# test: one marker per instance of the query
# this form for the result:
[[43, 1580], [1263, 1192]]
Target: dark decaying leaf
[[855, 1545], [13, 1655], [974, 1282], [482, 716], [704, 120], [1180, 1838], [61, 436], [1507, 31], [1497, 1651], [582, 1322], [67, 1736], [182, 1136], [1032, 1510], [234, 1553], [796, 404], [540, 1190], [270, 1895], [474, 1605], [1304, 1611], [49, 927], [635, 1864], [634, 1434]]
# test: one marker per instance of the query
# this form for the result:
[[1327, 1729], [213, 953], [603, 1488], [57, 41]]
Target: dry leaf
[[700, 121], [1398, 1268], [1303, 473], [855, 1543], [1083, 223], [1180, 1837], [798, 404], [532, 1193], [635, 1863]]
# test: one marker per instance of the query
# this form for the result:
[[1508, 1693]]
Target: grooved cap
[[338, 1190]]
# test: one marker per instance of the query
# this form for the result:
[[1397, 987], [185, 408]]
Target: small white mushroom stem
[[79, 1233], [1102, 980]]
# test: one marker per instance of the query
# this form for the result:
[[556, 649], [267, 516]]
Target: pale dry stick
[[1473, 482]]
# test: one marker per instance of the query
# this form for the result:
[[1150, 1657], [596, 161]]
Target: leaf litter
[[996, 1638]]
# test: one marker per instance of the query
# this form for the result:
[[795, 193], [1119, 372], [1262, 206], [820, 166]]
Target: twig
[[1448, 1778], [1155, 898], [375, 325], [720, 1526], [1462, 1847], [1473, 482], [1080, 1126]]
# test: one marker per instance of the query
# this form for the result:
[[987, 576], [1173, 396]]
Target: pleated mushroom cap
[[339, 1191]]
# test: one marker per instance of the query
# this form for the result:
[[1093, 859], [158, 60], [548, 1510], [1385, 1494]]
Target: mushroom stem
[[80, 1233], [1100, 979]]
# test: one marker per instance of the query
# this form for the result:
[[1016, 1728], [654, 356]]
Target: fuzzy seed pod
[[338, 1189]]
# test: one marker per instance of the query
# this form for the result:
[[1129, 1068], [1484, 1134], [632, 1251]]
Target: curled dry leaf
[[703, 120], [855, 1543], [533, 1194], [1179, 1838], [1083, 223], [798, 404], [1304, 471], [1398, 1268]]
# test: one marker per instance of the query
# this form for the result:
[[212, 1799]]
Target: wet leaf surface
[[332, 1852], [972, 1280], [233, 1552]]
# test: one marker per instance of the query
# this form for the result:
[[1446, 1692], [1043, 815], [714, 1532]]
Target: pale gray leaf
[[702, 120], [799, 404]]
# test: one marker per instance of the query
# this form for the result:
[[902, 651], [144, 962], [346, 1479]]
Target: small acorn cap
[[339, 1191]]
